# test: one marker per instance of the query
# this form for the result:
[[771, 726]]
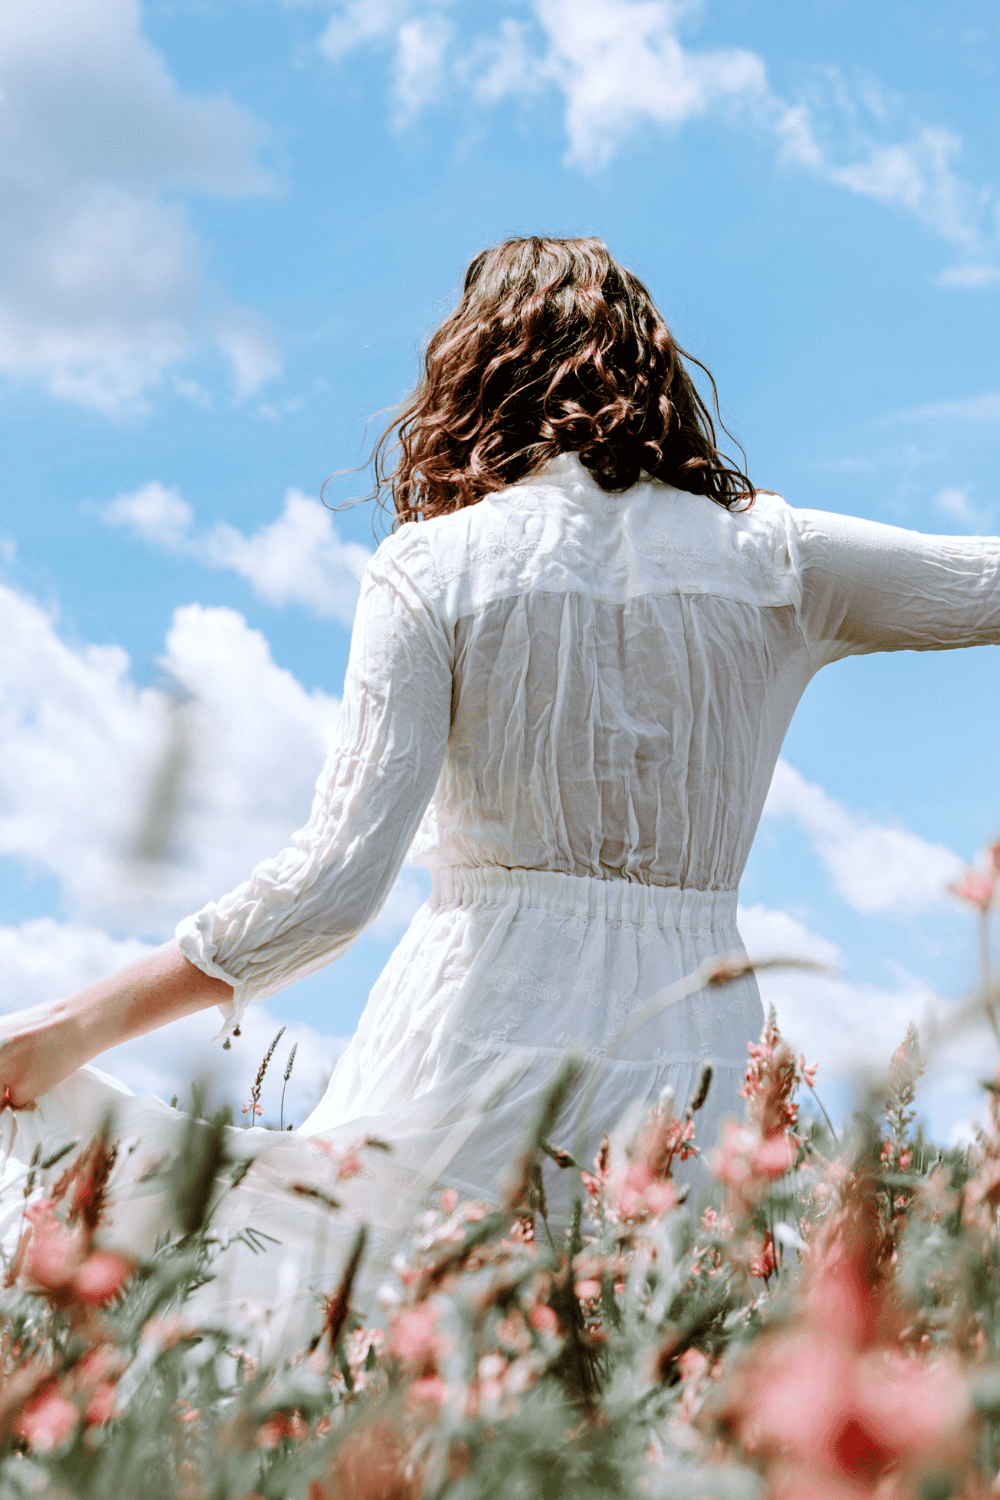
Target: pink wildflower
[[48, 1420], [543, 1318], [975, 887], [349, 1166], [774, 1157], [692, 1364], [101, 1406], [54, 1253], [414, 1339], [101, 1277], [278, 1426], [430, 1389], [825, 1415], [762, 1265]]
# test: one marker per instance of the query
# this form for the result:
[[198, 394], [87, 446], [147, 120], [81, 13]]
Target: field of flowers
[[829, 1330]]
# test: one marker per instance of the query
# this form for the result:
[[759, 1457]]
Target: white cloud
[[873, 867], [44, 959], [298, 559], [916, 176], [852, 1028], [846, 1025], [104, 289], [969, 277], [621, 64], [418, 68], [155, 513], [145, 803], [955, 504], [981, 408], [143, 806], [357, 22]]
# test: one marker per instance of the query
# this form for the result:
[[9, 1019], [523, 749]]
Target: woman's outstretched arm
[[42, 1046], [869, 587], [308, 904], [304, 907]]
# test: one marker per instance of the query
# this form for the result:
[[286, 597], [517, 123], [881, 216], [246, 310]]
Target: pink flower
[[278, 1426], [731, 1162], [762, 1265], [813, 1400], [588, 1291], [660, 1196], [54, 1252], [638, 1194], [48, 1420], [430, 1388], [414, 1340], [101, 1407], [543, 1318], [349, 1166], [448, 1199], [774, 1157], [976, 888], [692, 1364], [101, 1277]]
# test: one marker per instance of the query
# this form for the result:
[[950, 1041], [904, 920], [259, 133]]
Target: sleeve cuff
[[191, 941]]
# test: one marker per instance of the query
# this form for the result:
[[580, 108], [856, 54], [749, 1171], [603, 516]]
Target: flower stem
[[985, 975]]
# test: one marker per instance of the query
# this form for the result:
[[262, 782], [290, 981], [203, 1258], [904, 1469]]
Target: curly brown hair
[[554, 347]]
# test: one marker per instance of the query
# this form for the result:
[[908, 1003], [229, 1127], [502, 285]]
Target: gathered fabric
[[567, 704]]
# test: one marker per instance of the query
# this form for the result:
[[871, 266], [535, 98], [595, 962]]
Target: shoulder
[[403, 554], [434, 553]]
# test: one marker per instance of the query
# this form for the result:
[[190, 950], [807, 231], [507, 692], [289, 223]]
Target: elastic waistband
[[615, 900]]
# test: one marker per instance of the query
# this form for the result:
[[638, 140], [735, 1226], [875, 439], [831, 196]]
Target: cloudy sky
[[230, 224]]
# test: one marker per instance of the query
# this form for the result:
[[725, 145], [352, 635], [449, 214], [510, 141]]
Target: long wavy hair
[[553, 348]]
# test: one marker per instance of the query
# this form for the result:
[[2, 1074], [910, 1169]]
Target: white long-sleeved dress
[[567, 704]]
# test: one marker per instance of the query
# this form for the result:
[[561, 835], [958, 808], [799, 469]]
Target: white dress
[[566, 704]]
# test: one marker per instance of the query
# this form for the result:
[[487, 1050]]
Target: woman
[[572, 668]]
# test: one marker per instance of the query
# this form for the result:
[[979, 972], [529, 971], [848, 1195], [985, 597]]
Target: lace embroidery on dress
[[496, 547]]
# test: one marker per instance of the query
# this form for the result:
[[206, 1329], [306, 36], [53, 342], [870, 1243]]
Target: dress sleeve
[[305, 907], [868, 587]]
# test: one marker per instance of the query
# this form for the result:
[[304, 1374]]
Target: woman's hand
[[38, 1049], [42, 1046]]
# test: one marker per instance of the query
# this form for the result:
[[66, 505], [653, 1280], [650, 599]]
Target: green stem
[[826, 1117], [985, 976]]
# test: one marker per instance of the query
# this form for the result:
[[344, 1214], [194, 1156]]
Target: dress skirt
[[501, 975]]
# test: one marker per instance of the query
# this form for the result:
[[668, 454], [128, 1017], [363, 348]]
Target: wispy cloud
[[957, 505], [851, 1027], [874, 868], [982, 408], [621, 65], [85, 754], [219, 763], [299, 558], [104, 288]]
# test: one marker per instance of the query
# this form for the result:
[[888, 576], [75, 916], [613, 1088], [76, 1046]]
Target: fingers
[[7, 1102]]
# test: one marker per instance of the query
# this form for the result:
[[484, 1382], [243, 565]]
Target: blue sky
[[229, 229]]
